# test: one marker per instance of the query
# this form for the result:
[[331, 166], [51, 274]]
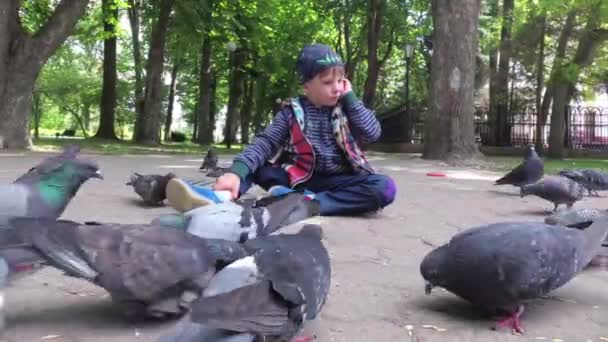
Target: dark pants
[[344, 194]]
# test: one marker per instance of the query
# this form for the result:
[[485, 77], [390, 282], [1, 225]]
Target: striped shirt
[[330, 159]]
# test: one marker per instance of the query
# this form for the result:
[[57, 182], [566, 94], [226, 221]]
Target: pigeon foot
[[304, 338], [513, 321]]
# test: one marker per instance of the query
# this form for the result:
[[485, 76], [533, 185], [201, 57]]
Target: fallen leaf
[[557, 340], [50, 337], [434, 327], [603, 338]]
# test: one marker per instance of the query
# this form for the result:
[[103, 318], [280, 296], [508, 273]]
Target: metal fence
[[585, 127]]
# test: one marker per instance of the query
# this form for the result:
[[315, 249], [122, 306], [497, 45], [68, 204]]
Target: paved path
[[377, 291]]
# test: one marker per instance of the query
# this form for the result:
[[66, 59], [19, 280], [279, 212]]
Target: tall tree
[[134, 21], [22, 56], [237, 76], [110, 76], [205, 131], [147, 125], [375, 18], [169, 117], [455, 34], [592, 36], [540, 78], [246, 109], [503, 131]]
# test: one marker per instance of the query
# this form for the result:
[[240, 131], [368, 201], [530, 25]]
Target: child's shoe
[[184, 196]]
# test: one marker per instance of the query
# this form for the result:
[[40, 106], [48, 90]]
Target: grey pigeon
[[498, 266], [151, 188], [556, 189], [528, 172], [152, 270], [592, 180], [581, 218], [46, 190], [69, 152], [210, 160], [271, 293], [244, 219]]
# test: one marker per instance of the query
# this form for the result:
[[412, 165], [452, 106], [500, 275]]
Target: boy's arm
[[363, 122], [264, 146]]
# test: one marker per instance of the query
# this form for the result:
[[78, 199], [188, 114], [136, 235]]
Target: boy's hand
[[347, 86], [230, 182]]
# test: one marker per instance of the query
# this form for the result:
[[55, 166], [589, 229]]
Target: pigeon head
[[432, 267], [530, 152], [59, 180]]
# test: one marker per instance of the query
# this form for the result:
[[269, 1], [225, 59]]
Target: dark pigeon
[[499, 266], [528, 172], [556, 189], [243, 219], [592, 180], [69, 152], [152, 270], [46, 190], [210, 165], [271, 293], [581, 218], [210, 160], [151, 188]]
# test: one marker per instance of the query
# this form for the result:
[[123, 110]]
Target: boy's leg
[[352, 194], [184, 196]]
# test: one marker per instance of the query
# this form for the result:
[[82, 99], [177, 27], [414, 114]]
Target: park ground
[[377, 293]]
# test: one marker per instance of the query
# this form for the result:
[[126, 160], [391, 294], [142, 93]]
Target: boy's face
[[326, 88]]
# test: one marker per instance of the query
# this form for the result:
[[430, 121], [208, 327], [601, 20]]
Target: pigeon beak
[[428, 287], [98, 174]]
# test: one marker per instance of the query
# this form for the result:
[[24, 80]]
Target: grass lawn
[[125, 147]]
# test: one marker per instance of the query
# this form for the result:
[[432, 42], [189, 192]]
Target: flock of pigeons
[[479, 264], [226, 267], [235, 277]]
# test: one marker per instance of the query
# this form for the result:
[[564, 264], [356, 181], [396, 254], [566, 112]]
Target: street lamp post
[[409, 50]]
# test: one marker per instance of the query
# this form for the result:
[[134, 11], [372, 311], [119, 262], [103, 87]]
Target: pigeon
[[575, 217], [153, 271], [46, 190], [556, 189], [69, 152], [498, 266], [151, 188], [592, 180], [243, 219], [217, 172], [271, 293], [528, 172], [210, 160]]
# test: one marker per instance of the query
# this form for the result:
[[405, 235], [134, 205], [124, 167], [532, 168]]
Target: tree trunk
[[86, 115], [246, 111], [147, 125], [134, 10], [261, 107], [592, 37], [503, 130], [455, 33], [107, 112], [169, 118], [236, 90], [22, 56], [205, 133], [37, 107], [375, 16], [213, 104], [540, 77]]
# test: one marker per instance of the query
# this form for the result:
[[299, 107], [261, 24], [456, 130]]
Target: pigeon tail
[[57, 241]]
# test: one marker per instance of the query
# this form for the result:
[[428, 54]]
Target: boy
[[311, 146]]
